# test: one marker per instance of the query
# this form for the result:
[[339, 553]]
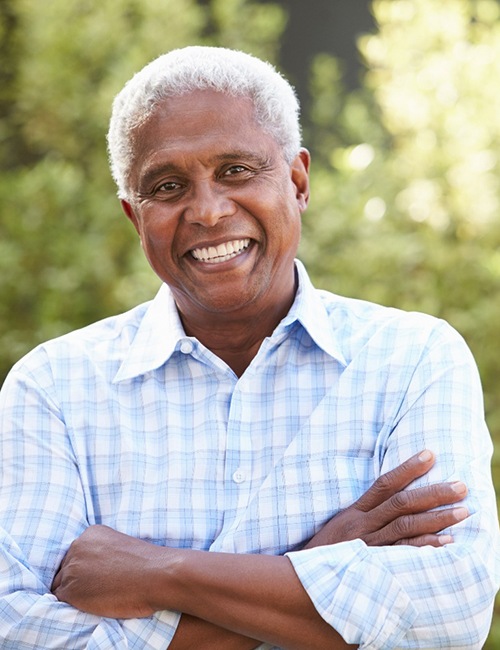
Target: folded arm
[[43, 508], [256, 596], [385, 595]]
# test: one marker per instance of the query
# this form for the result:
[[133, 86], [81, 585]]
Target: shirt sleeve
[[42, 510], [406, 597]]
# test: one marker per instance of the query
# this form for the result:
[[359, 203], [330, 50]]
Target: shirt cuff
[[355, 594]]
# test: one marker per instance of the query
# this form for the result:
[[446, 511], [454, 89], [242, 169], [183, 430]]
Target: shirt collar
[[161, 330], [156, 339], [310, 311]]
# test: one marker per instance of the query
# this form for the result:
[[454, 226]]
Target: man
[[196, 473]]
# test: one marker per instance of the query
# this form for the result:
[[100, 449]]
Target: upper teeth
[[222, 252]]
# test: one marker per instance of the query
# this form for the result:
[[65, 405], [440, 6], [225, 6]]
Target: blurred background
[[401, 111]]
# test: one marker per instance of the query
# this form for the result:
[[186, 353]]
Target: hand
[[387, 514], [106, 573]]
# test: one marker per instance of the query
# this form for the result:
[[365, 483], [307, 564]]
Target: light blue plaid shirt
[[133, 424]]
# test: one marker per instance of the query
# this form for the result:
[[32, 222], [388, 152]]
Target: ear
[[129, 211], [300, 177]]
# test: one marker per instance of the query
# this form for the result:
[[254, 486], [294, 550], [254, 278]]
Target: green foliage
[[67, 257], [408, 178], [406, 194]]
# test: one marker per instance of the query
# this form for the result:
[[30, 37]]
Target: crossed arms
[[231, 601], [294, 597]]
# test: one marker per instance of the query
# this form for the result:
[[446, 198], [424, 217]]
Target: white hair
[[202, 68]]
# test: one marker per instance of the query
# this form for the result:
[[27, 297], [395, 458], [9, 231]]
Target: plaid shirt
[[133, 424]]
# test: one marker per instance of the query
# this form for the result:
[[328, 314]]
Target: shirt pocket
[[323, 485], [299, 497]]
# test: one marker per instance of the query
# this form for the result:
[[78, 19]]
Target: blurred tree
[[406, 189], [408, 171], [323, 26], [67, 257]]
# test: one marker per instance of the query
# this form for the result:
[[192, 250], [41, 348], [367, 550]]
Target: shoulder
[[100, 345], [362, 325]]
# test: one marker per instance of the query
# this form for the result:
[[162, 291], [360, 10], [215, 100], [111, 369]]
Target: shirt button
[[186, 347], [239, 476]]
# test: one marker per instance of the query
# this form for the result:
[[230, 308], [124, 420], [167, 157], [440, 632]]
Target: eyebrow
[[249, 156]]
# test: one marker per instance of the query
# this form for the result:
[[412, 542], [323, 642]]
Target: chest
[[250, 465]]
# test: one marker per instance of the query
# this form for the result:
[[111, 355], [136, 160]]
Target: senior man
[[225, 467]]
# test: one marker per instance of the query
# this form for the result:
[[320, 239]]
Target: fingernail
[[445, 539], [460, 513], [459, 487], [425, 456]]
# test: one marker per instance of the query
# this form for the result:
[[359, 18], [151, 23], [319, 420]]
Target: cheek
[[156, 231], [291, 233], [156, 245]]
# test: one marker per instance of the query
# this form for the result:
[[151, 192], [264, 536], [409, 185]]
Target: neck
[[236, 338]]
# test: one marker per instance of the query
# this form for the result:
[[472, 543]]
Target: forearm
[[111, 574], [193, 632], [257, 596], [403, 588]]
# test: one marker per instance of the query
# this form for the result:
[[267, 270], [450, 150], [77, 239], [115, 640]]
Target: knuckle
[[436, 491], [420, 540], [351, 524], [395, 479], [382, 489], [403, 527], [386, 481], [401, 501], [383, 483]]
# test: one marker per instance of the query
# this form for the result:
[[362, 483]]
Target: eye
[[169, 186], [235, 169]]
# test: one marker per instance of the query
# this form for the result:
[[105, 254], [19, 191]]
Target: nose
[[208, 203]]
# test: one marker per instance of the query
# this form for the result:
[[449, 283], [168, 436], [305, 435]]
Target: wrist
[[162, 578]]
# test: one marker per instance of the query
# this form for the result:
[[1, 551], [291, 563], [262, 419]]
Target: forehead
[[203, 123]]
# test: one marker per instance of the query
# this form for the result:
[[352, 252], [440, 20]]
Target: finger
[[396, 480], [409, 526], [60, 595], [419, 500], [56, 582], [426, 540]]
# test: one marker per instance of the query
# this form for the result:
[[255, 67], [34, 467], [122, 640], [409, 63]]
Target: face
[[216, 206]]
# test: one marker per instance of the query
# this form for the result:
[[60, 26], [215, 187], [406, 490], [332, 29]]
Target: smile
[[222, 252]]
